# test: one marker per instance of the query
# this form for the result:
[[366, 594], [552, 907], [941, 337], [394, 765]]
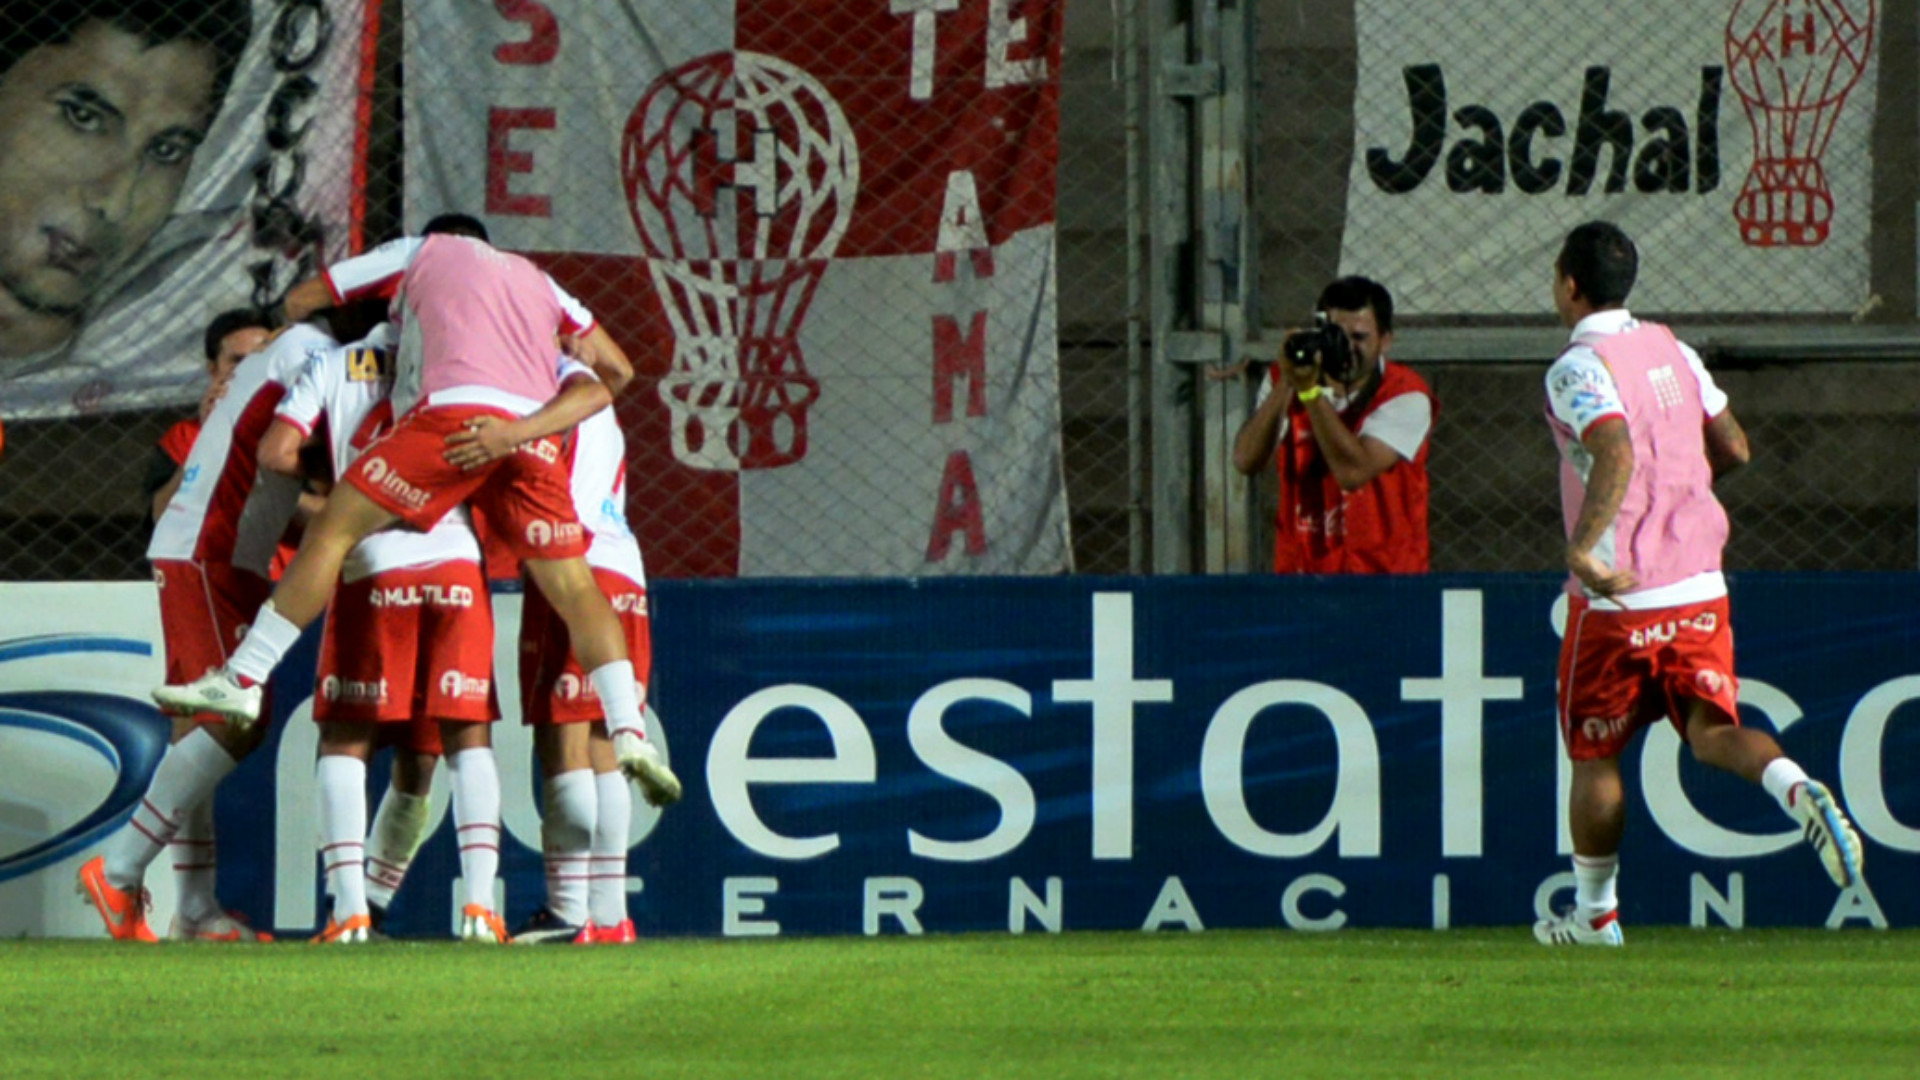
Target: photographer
[[1350, 430]]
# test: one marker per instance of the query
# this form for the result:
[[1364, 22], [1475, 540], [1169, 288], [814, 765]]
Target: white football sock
[[267, 640], [607, 891], [342, 783], [186, 777], [566, 839], [1779, 778], [399, 828], [476, 815], [195, 864], [1594, 878], [619, 698]]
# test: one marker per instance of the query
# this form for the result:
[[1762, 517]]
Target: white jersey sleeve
[[578, 319], [1581, 391], [1401, 422], [371, 274], [1712, 397]]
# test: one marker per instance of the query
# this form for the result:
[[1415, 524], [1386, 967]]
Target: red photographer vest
[[1380, 529]]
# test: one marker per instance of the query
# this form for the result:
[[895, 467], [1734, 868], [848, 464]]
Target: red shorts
[[406, 645], [526, 496], [1621, 671], [553, 688], [204, 612]]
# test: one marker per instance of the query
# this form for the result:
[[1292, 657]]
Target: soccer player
[[476, 357], [231, 337], [211, 551], [1643, 432], [587, 806], [409, 636]]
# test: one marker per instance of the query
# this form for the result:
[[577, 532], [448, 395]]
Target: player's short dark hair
[[457, 225], [224, 26], [230, 322], [1602, 262], [1356, 293]]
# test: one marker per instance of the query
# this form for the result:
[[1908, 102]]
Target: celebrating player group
[[479, 402]]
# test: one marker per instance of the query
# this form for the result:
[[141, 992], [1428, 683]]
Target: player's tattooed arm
[[1612, 450], [1727, 448]]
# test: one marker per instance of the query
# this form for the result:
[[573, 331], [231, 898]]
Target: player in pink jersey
[[1643, 432], [211, 550], [409, 637], [476, 390], [588, 809]]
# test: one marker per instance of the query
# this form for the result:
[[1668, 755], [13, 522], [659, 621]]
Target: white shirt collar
[[1602, 323]]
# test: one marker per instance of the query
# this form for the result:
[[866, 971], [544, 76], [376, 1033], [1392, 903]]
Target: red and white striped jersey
[[227, 510], [598, 467], [349, 386]]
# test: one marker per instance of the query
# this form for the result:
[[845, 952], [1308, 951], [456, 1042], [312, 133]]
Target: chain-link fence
[[961, 387]]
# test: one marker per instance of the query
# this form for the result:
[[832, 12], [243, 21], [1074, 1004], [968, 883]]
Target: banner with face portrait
[[162, 162], [1702, 129], [825, 235]]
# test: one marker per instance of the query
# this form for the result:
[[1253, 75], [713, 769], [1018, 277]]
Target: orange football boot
[[123, 910]]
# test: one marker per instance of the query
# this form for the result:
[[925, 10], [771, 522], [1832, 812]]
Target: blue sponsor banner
[[1077, 753]]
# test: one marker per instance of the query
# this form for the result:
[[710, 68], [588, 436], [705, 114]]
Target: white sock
[[607, 891], [399, 827], [618, 696], [476, 814], [342, 784], [1594, 878], [267, 640], [188, 773], [566, 839], [194, 864], [1779, 778]]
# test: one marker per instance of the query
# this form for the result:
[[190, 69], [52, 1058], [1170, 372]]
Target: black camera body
[[1327, 340]]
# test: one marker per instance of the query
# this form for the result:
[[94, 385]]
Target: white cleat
[[215, 692], [1827, 829], [1572, 929], [640, 760]]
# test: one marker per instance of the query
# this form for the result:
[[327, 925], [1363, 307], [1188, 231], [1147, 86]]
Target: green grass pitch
[[1460, 1004]]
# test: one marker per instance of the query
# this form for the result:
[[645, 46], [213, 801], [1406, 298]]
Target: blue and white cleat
[[1572, 929], [1827, 829]]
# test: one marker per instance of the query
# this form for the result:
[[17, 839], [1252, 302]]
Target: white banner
[[1730, 140], [127, 220]]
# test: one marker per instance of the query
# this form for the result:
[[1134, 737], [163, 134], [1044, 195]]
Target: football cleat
[[357, 930], [215, 692], [123, 910], [227, 926], [1827, 829], [543, 927], [615, 935], [1571, 928], [477, 924], [642, 763]]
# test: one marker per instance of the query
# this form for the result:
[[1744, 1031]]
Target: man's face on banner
[[96, 136]]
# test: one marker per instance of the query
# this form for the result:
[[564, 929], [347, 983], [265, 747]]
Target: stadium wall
[[1036, 755]]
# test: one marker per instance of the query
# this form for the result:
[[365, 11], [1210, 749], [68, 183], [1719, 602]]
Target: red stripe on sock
[[480, 847], [155, 811], [343, 843], [146, 832]]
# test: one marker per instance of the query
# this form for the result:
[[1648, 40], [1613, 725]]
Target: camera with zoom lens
[[1327, 340]]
